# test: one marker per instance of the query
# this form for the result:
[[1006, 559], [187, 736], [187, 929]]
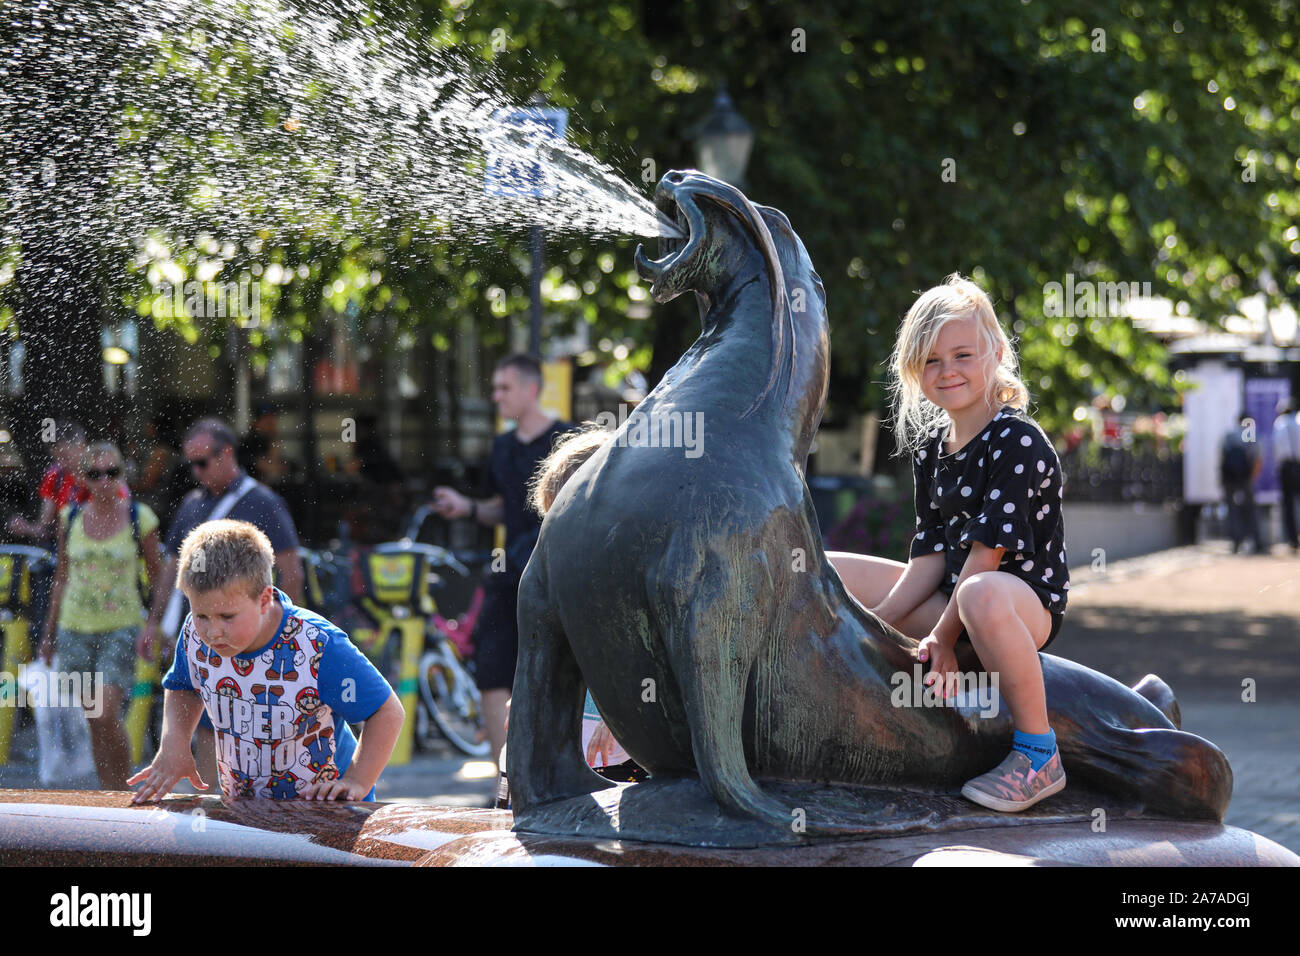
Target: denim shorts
[[108, 653]]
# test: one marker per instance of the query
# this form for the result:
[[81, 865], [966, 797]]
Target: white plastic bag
[[62, 732]]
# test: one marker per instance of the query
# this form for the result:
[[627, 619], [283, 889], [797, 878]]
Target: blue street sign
[[512, 167]]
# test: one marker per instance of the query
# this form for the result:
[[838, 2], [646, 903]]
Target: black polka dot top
[[1002, 489]]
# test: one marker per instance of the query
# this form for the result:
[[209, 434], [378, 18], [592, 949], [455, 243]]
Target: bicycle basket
[[15, 581], [397, 580]]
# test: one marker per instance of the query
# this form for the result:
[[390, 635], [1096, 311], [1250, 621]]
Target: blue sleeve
[[268, 511], [340, 663], [287, 538], [178, 677], [181, 525]]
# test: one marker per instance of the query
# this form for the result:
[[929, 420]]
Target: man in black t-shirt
[[516, 385]]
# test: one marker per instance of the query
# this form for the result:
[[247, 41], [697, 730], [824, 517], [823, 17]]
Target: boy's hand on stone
[[943, 661], [160, 776], [340, 789]]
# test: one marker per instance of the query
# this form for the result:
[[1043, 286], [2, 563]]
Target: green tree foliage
[[1019, 143]]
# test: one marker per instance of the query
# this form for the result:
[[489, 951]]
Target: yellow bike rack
[[15, 598], [17, 651], [410, 631], [397, 597], [141, 705], [396, 624]]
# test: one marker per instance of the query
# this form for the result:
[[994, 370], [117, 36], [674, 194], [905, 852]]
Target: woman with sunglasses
[[95, 605]]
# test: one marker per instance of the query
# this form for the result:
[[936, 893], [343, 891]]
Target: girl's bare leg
[[867, 578], [1007, 623], [870, 579]]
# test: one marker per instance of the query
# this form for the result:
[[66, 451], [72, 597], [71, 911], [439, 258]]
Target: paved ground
[[1203, 619], [1207, 621]]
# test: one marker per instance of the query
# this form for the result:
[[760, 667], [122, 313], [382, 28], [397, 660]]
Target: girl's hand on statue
[[943, 661]]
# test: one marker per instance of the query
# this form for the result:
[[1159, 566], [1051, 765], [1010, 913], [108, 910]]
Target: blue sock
[[1037, 747]]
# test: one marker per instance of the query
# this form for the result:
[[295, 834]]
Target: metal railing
[[1108, 475]]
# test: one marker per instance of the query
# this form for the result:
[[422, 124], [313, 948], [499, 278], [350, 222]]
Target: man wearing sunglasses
[[225, 491]]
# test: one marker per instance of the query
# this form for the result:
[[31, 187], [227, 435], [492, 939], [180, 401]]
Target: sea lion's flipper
[[1125, 743], [1168, 771], [1162, 695], [713, 642], [544, 760], [714, 710]]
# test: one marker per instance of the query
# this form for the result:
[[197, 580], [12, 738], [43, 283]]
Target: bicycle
[[385, 598], [445, 675]]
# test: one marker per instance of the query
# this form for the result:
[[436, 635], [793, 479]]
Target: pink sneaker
[[1014, 785]]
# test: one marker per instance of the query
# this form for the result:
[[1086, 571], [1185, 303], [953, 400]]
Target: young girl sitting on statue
[[987, 563]]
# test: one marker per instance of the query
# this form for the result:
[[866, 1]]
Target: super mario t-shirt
[[281, 712]]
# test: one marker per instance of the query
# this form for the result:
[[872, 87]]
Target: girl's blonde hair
[[958, 298], [567, 457]]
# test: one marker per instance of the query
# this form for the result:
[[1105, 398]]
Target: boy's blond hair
[[567, 457], [218, 554], [958, 298]]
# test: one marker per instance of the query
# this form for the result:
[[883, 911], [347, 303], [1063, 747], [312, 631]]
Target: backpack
[[1235, 466], [142, 582]]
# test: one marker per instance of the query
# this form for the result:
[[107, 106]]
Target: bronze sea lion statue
[[689, 590]]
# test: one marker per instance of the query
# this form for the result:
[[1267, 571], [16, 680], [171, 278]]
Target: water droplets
[[166, 118]]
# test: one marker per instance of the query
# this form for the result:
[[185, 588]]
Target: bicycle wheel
[[429, 738], [427, 734], [452, 699]]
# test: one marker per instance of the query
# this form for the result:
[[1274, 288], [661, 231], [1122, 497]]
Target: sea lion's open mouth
[[681, 210]]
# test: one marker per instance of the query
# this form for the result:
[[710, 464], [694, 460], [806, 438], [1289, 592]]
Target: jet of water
[[243, 121]]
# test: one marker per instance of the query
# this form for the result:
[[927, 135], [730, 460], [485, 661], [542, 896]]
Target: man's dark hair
[[524, 364], [220, 433]]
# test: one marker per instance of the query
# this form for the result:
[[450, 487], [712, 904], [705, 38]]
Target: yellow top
[[102, 592]]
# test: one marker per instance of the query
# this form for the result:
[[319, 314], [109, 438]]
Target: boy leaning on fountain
[[280, 684]]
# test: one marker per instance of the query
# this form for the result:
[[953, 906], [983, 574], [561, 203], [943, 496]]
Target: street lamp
[[723, 142]]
